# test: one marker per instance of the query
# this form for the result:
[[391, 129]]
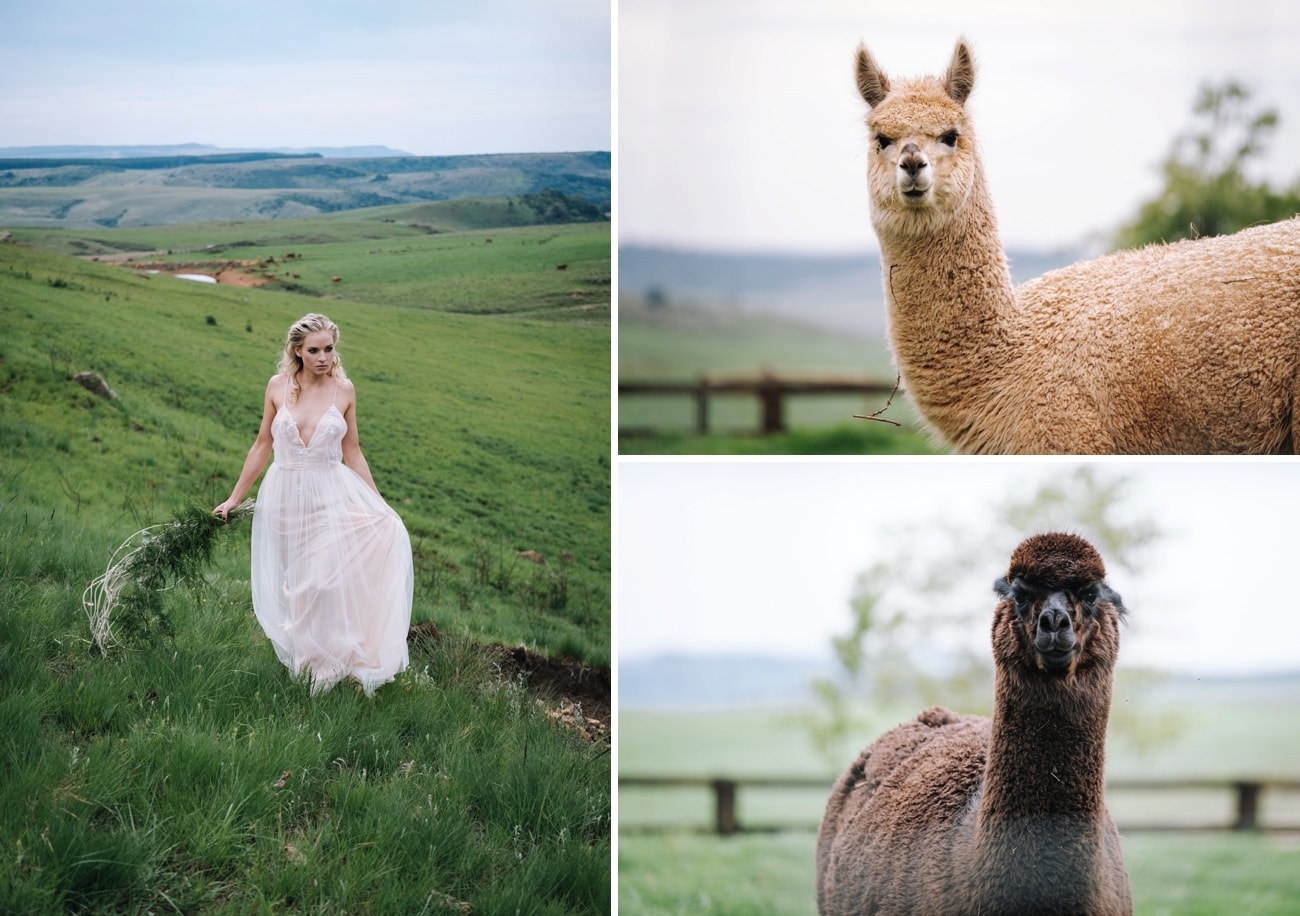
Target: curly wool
[[966, 815]]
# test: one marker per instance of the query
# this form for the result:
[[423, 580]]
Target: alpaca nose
[[912, 160], [1055, 616]]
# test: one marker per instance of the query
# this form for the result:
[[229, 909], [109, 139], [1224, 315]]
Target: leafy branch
[[147, 563]]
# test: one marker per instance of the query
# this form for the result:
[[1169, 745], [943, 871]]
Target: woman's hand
[[223, 510]]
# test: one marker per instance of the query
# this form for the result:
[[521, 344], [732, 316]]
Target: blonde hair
[[291, 363]]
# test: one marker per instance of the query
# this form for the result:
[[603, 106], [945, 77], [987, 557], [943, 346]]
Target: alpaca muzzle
[[1054, 639], [914, 173]]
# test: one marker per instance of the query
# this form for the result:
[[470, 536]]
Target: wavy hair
[[291, 364]]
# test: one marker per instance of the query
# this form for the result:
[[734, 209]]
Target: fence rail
[[1246, 792], [771, 391]]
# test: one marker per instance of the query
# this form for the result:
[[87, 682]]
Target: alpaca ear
[[872, 82], [960, 79], [1110, 596]]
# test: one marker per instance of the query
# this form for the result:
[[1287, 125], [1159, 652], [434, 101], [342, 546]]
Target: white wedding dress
[[332, 573]]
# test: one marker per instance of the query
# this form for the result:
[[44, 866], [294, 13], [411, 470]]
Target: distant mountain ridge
[[82, 192], [841, 293], [678, 681], [192, 149]]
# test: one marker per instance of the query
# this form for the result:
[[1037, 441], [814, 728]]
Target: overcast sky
[[740, 127], [758, 556], [431, 78]]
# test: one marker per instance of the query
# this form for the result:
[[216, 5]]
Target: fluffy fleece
[[966, 815], [1192, 347]]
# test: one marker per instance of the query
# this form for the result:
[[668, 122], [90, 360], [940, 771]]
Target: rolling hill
[[483, 373], [86, 191], [187, 771]]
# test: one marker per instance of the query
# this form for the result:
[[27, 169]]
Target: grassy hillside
[[162, 191], [490, 435], [419, 257], [190, 773]]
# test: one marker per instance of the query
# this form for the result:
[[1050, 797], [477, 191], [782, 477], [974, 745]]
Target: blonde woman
[[331, 571]]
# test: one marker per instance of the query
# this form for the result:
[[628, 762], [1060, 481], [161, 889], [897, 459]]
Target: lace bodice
[[325, 448]]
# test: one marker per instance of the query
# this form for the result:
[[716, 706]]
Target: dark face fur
[[1057, 614]]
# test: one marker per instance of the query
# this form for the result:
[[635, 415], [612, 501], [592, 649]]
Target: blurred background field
[[687, 316], [1171, 874], [669, 862]]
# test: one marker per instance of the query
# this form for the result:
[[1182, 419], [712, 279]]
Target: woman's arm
[[351, 444], [257, 456]]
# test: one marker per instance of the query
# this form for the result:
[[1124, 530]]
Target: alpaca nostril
[[911, 161], [1053, 620]]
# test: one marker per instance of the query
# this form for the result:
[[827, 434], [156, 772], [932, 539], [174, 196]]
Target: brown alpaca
[[963, 815], [1186, 348]]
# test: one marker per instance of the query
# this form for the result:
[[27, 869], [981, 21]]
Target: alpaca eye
[[884, 141], [950, 138]]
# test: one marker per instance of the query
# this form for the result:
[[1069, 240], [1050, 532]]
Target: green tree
[[909, 641], [1208, 190]]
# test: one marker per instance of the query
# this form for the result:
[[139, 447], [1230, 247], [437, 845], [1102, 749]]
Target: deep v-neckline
[[297, 429]]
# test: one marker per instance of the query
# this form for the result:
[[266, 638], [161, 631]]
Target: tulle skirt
[[331, 576]]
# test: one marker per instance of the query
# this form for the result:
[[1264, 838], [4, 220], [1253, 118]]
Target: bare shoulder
[[347, 394], [275, 389]]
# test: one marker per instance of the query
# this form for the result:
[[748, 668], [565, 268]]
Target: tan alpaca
[[1186, 348]]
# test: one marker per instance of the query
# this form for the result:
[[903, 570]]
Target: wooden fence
[[1247, 793], [770, 390]]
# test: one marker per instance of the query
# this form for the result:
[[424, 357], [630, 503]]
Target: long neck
[[949, 297], [1047, 753], [1041, 832]]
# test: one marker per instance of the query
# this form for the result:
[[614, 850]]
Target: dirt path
[[227, 273]]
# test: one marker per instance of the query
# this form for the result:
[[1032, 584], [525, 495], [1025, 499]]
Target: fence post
[[702, 406], [1247, 805], [724, 796], [770, 392]]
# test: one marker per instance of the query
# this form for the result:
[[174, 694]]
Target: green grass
[[194, 776], [435, 256], [863, 437], [192, 773], [774, 875], [693, 875], [490, 435], [682, 344]]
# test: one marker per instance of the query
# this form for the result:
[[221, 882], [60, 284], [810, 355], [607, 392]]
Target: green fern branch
[[147, 563]]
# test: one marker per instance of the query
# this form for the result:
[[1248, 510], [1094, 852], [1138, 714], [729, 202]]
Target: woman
[[332, 575]]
